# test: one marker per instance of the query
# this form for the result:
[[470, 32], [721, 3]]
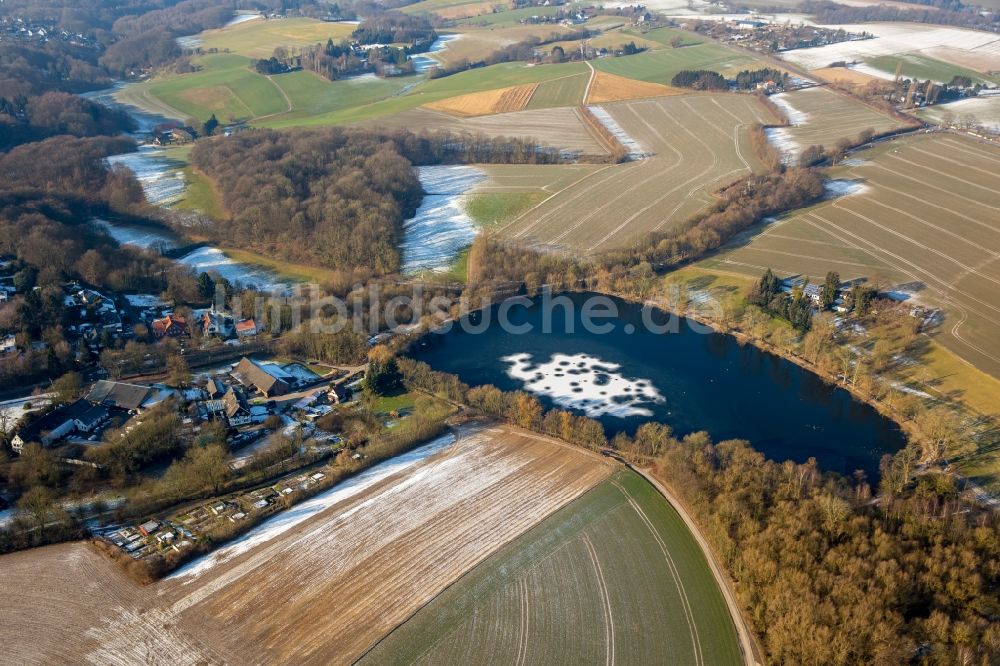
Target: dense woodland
[[26, 119], [393, 27], [325, 197], [333, 197], [832, 571]]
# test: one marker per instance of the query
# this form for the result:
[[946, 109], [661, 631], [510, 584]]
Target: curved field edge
[[621, 552]]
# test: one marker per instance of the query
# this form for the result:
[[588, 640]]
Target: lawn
[[613, 577], [661, 66]]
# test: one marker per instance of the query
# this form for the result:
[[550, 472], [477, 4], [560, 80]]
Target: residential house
[[215, 389], [8, 345], [247, 328], [253, 375], [169, 327], [215, 323]]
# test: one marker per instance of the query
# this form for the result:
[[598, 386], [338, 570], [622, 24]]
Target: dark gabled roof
[[234, 402], [81, 409], [118, 394], [249, 373], [214, 388]]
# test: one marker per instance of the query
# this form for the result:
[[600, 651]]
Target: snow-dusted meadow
[[286, 520], [441, 228], [956, 45]]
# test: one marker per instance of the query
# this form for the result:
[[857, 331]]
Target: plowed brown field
[[614, 88], [320, 592], [500, 100]]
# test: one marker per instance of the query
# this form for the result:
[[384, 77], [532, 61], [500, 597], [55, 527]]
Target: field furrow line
[[948, 175], [685, 603], [908, 239], [609, 626]]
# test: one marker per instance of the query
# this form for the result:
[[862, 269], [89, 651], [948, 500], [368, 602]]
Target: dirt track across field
[[320, 592]]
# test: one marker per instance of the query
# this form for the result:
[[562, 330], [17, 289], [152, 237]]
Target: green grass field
[[567, 91], [510, 18], [259, 38], [661, 66], [924, 68], [664, 36], [489, 209], [614, 577], [225, 86]]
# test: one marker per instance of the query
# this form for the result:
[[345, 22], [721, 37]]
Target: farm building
[[253, 375], [80, 416], [130, 397]]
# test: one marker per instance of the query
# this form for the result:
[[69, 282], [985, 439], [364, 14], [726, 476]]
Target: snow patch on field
[[585, 383], [214, 261], [635, 149], [424, 61], [281, 523], [972, 111], [893, 39], [843, 187], [441, 228], [795, 116], [145, 301], [13, 410], [781, 137], [162, 178], [144, 237]]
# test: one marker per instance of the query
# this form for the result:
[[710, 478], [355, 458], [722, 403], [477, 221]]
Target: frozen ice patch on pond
[[161, 177], [635, 149], [441, 228], [843, 187], [286, 520], [584, 383]]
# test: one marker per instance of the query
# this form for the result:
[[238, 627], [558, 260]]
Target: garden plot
[[697, 143], [318, 590], [929, 216]]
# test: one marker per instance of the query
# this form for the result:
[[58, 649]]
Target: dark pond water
[[690, 378]]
